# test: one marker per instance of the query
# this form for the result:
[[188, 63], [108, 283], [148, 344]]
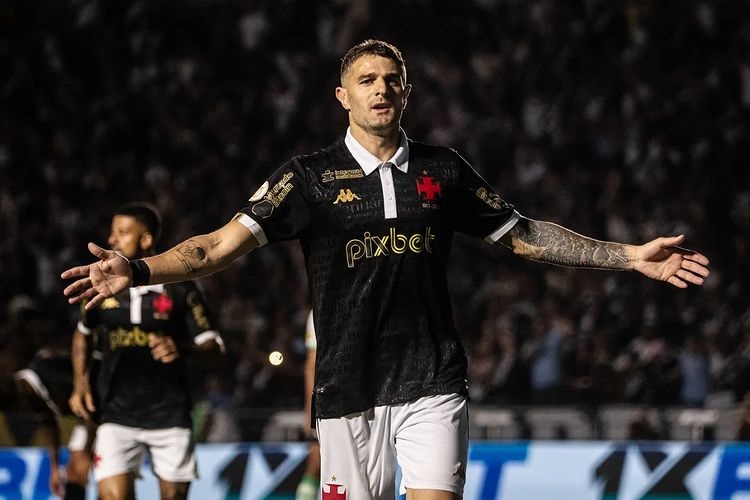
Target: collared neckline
[[143, 290], [369, 162]]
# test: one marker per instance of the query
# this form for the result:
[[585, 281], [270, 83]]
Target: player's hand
[[163, 348], [81, 403], [100, 280], [661, 259]]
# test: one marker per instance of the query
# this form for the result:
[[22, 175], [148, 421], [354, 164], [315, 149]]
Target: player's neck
[[382, 145]]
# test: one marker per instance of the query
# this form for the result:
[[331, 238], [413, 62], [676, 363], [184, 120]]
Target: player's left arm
[[660, 259]]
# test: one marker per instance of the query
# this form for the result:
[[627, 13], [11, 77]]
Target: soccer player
[[375, 214], [143, 396]]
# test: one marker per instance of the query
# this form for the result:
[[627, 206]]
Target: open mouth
[[382, 105]]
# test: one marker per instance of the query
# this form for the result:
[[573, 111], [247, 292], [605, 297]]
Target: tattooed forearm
[[547, 242], [192, 255]]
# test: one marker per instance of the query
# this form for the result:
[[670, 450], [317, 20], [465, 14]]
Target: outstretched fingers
[[691, 255], [76, 289], [87, 295], [689, 277], [94, 299], [75, 272], [695, 267], [675, 281]]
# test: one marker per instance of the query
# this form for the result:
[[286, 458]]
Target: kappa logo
[[110, 303], [346, 196], [335, 491]]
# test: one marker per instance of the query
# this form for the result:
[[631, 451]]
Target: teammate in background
[[43, 388], [80, 445], [143, 395], [309, 486], [375, 214]]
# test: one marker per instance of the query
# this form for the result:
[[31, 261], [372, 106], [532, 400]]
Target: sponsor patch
[[273, 197], [337, 175], [371, 246], [491, 199], [355, 173], [282, 188], [260, 193]]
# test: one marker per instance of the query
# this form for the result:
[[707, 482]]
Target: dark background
[[623, 120]]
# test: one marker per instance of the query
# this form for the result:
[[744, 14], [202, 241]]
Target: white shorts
[[121, 449], [79, 438], [428, 438]]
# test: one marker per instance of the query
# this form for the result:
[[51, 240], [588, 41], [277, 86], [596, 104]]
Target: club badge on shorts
[[332, 490]]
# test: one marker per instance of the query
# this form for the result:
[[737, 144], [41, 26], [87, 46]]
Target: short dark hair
[[372, 47], [145, 213]]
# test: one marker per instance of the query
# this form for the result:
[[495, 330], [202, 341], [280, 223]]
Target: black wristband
[[141, 272]]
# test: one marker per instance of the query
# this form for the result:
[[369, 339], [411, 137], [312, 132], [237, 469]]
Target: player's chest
[[153, 310], [348, 198]]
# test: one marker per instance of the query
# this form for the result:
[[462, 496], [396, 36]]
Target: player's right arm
[[195, 257], [81, 401]]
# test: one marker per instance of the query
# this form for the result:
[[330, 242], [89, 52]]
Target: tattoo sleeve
[[548, 242], [192, 255]]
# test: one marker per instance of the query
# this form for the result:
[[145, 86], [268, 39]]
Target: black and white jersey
[[376, 241], [50, 375], [133, 388]]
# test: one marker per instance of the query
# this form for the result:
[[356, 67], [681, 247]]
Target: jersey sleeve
[[279, 209], [477, 210], [87, 320], [200, 323]]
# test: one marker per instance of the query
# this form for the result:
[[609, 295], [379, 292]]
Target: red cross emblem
[[335, 492], [428, 187], [162, 304]]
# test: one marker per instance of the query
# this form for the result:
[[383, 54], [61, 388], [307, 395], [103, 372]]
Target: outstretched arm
[[660, 259], [195, 257]]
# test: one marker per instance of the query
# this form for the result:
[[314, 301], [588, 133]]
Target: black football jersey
[[50, 375], [133, 388], [380, 294]]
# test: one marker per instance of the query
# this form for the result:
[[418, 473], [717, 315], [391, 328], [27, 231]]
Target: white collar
[[143, 290], [369, 162]]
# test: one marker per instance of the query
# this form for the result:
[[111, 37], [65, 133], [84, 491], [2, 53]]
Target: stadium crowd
[[622, 120]]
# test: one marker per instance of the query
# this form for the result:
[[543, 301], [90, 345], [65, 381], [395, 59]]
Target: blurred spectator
[[694, 365]]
